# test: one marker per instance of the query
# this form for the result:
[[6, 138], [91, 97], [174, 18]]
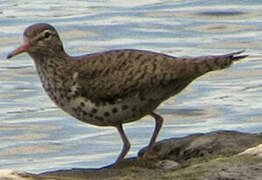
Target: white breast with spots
[[104, 113]]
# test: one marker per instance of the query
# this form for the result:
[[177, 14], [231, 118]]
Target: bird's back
[[123, 73]]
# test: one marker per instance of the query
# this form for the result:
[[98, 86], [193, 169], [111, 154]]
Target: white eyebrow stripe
[[41, 36]]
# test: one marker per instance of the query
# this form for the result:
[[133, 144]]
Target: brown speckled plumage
[[113, 87]]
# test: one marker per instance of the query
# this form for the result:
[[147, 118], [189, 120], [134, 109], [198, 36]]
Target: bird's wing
[[119, 74]]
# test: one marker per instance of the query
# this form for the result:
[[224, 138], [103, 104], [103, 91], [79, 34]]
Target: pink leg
[[126, 145], [159, 121]]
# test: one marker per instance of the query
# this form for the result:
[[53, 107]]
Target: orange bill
[[19, 50]]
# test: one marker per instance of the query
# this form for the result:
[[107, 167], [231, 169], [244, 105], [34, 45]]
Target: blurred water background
[[36, 136]]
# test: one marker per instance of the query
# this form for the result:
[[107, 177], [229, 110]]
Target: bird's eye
[[47, 35]]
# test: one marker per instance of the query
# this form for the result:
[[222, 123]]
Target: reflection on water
[[220, 28], [36, 136]]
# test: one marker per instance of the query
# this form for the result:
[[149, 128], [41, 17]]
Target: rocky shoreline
[[219, 155]]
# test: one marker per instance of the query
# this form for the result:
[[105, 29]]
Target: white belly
[[106, 114]]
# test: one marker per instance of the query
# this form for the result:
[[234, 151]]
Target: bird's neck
[[52, 70], [47, 60], [50, 66]]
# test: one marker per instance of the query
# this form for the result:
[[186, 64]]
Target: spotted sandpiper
[[113, 87]]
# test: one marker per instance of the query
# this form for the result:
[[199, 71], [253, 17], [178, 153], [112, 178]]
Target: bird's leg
[[159, 121], [126, 144]]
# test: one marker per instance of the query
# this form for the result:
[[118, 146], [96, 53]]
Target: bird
[[113, 87]]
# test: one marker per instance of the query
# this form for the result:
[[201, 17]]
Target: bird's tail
[[211, 63], [236, 58]]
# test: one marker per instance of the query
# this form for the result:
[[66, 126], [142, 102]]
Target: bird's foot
[[149, 155]]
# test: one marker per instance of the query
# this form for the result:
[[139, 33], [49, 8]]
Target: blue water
[[36, 136]]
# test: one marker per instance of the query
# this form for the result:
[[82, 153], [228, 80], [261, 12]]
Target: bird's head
[[39, 38]]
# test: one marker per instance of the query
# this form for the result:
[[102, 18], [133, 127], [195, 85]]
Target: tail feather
[[233, 56], [205, 64]]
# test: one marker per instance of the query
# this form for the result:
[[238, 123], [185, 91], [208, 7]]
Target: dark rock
[[211, 156], [202, 147]]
